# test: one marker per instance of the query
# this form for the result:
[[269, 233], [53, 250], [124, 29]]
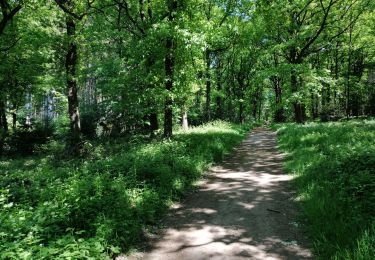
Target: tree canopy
[[110, 110], [122, 67]]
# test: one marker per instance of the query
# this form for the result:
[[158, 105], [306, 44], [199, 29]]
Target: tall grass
[[334, 166], [101, 205]]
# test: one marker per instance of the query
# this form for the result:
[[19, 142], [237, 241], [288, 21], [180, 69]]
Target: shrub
[[334, 164], [96, 206]]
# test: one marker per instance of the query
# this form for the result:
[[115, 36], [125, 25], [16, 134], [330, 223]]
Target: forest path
[[242, 210]]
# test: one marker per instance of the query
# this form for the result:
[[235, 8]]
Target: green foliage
[[25, 141], [99, 206], [334, 166]]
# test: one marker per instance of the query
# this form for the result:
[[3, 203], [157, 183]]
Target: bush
[[100, 206], [334, 164], [27, 141], [89, 122]]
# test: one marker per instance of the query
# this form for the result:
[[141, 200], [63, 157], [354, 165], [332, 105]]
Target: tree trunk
[[208, 85], [154, 123], [241, 118], [219, 107], [255, 107], [260, 107], [279, 111], [347, 94], [219, 99], [3, 116], [336, 72], [3, 125], [168, 113], [185, 123], [14, 120], [297, 106], [169, 72], [71, 74]]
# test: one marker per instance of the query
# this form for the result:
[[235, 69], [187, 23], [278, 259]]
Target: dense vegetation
[[97, 100], [334, 165], [100, 205]]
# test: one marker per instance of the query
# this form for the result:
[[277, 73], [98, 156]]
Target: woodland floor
[[243, 209]]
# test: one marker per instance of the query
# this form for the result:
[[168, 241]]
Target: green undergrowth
[[100, 206], [334, 168]]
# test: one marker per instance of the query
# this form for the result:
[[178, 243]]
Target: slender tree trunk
[[336, 72], [71, 74], [154, 123], [219, 99], [255, 106], [3, 117], [185, 122], [279, 111], [260, 107], [169, 72], [14, 118], [297, 106], [241, 118], [348, 73], [208, 85], [3, 125], [168, 113], [219, 107]]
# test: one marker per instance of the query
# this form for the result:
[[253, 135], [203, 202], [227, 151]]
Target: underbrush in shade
[[334, 168], [100, 205]]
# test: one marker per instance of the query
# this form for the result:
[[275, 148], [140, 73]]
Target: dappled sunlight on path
[[243, 210]]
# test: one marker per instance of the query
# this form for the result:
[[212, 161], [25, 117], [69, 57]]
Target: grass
[[100, 206], [334, 168]]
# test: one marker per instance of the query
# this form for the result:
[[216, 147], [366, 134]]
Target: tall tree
[[73, 16]]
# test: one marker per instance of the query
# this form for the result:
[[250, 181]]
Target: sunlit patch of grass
[[99, 205], [334, 165]]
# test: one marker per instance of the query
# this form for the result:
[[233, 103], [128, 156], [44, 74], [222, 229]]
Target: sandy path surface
[[242, 210]]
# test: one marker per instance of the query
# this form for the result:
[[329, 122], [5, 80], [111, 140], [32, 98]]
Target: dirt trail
[[242, 210]]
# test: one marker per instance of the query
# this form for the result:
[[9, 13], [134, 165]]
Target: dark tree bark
[[219, 104], [241, 118], [3, 125], [8, 13], [277, 87], [347, 91], [169, 72], [71, 61], [279, 110], [3, 118], [254, 107], [297, 105], [208, 85], [169, 69], [14, 118], [336, 71], [154, 123], [297, 54], [219, 99]]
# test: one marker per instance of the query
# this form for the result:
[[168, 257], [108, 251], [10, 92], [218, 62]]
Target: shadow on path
[[243, 210]]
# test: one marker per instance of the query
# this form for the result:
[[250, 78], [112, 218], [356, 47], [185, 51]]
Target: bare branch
[[125, 6], [323, 24], [11, 46], [61, 4]]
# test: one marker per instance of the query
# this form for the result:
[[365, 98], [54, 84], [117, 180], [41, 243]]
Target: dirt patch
[[242, 210]]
